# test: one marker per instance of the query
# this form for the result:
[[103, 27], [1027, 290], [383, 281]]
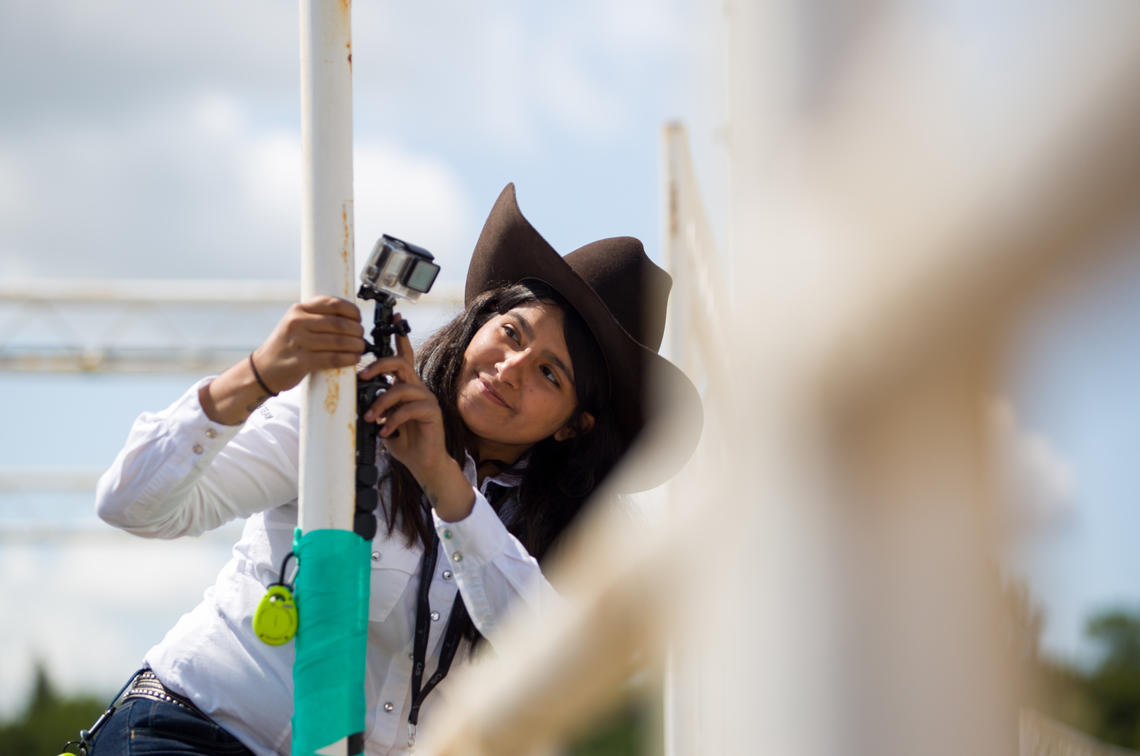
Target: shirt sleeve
[[495, 573], [180, 473]]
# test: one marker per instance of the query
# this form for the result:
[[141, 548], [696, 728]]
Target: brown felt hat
[[621, 295]]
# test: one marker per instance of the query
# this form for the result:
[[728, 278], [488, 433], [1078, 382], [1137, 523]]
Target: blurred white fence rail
[[826, 576]]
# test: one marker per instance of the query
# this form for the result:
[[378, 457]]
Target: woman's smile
[[490, 392]]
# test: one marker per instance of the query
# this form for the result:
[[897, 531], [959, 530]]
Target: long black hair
[[557, 476]]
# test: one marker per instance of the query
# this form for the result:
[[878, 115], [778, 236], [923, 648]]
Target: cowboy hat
[[622, 296]]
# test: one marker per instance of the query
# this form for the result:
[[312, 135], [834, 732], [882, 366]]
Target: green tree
[[48, 721], [1114, 685], [623, 732]]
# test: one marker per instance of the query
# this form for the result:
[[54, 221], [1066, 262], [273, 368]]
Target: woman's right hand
[[321, 333]]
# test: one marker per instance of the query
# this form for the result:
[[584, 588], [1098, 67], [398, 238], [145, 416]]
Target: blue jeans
[[140, 727]]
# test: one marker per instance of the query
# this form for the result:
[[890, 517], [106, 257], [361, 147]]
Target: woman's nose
[[511, 366]]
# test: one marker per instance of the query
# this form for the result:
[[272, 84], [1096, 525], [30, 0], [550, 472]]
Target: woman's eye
[[550, 375], [512, 334]]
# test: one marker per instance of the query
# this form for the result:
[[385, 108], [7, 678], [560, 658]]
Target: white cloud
[[129, 51], [196, 190], [512, 72], [217, 115], [498, 78], [89, 609], [1036, 483], [415, 197], [156, 195], [270, 174]]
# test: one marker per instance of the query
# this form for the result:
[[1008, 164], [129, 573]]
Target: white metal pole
[[328, 408], [328, 404]]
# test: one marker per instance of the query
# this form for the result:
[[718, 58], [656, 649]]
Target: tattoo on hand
[[257, 403]]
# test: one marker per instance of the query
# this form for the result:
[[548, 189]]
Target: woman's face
[[516, 384]]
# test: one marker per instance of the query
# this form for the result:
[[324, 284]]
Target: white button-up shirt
[[182, 474]]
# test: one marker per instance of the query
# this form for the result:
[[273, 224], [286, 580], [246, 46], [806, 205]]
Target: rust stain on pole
[[346, 9], [346, 248], [332, 393]]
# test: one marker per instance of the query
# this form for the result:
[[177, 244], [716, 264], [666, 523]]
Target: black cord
[[281, 576]]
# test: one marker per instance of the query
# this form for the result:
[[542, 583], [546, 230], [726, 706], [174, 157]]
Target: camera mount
[[394, 269]]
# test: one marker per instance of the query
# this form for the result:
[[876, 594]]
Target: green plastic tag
[[275, 620]]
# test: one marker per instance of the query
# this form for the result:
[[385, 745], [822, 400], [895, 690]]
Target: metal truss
[[145, 325]]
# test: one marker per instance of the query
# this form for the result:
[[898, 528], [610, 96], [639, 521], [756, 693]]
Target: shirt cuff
[[475, 540], [205, 437]]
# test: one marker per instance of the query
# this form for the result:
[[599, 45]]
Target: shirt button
[[197, 448], [435, 616], [457, 557], [447, 574], [447, 534], [211, 433], [389, 707], [375, 556]]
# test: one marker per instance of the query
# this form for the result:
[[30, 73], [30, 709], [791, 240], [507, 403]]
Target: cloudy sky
[[163, 140], [142, 139]]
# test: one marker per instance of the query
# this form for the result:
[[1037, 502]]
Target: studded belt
[[147, 685]]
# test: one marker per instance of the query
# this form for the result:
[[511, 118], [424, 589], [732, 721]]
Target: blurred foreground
[[1065, 710]]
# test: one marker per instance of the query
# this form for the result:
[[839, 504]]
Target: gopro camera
[[399, 269]]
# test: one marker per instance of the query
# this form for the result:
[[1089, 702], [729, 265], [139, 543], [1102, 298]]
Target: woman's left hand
[[411, 408]]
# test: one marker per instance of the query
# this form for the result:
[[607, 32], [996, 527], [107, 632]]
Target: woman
[[517, 412]]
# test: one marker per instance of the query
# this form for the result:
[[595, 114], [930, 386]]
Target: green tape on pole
[[332, 603]]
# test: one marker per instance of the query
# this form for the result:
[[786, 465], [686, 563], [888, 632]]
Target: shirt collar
[[508, 478]]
